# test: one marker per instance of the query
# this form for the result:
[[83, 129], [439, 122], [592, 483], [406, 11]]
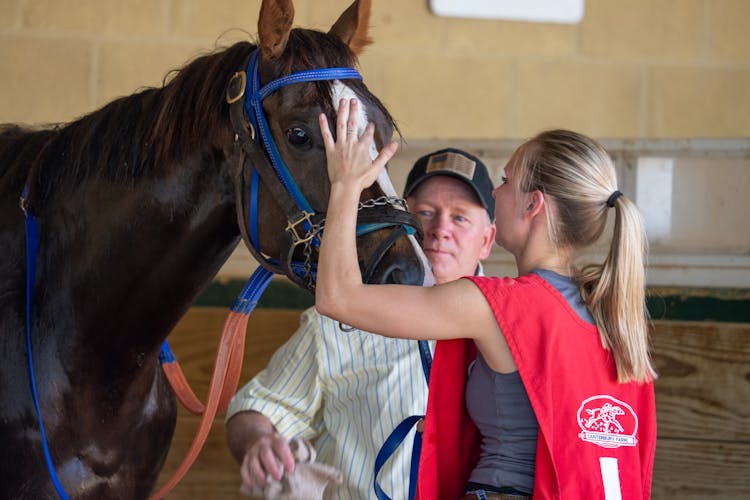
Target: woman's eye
[[297, 136]]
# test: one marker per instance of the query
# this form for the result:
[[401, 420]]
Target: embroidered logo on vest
[[608, 422]]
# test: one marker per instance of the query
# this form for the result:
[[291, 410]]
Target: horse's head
[[288, 82]]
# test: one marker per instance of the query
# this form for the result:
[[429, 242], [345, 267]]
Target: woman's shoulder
[[504, 282]]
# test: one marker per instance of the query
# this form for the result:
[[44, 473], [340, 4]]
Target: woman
[[561, 390]]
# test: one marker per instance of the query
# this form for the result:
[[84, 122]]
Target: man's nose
[[439, 227]]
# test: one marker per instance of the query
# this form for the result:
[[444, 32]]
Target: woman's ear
[[534, 202]]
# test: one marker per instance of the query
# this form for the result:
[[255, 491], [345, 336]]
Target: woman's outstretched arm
[[453, 310]]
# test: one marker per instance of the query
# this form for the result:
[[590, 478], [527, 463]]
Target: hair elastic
[[611, 200]]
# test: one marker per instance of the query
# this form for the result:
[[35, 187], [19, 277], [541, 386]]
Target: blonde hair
[[579, 176]]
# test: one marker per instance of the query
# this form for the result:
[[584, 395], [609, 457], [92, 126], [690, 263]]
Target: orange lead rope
[[225, 377], [180, 386]]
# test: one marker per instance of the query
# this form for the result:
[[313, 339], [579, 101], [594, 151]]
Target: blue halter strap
[[304, 224], [254, 96], [32, 246], [398, 436]]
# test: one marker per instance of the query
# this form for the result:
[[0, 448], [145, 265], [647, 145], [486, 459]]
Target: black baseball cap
[[459, 165]]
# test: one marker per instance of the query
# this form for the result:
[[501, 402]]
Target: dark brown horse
[[136, 209]]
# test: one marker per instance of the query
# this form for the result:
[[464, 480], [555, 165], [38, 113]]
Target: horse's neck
[[136, 256]]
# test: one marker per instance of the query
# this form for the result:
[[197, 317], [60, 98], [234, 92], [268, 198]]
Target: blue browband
[[254, 95]]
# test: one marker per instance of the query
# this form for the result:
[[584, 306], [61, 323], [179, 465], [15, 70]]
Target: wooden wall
[[703, 410], [703, 404]]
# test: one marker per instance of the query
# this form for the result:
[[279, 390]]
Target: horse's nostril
[[394, 277], [410, 273]]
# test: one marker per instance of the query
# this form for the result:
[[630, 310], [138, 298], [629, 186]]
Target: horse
[[137, 206]]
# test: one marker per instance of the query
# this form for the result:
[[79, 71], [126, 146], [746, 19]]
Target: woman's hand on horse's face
[[349, 160]]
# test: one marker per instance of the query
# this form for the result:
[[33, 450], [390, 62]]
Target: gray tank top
[[501, 410]]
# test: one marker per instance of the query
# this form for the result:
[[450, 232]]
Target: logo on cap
[[452, 162]]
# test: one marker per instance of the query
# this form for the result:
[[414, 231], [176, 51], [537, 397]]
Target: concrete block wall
[[635, 69]]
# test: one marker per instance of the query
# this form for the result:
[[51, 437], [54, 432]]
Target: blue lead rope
[[389, 448], [32, 245], [251, 292], [399, 434], [426, 356]]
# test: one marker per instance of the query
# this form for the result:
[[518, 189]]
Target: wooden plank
[[703, 410], [698, 470], [703, 389]]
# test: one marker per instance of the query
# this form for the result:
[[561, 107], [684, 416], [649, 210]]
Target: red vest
[[594, 433]]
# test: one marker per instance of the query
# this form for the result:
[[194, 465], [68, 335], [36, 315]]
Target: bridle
[[259, 161]]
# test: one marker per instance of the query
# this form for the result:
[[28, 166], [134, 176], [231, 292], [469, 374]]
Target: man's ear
[[488, 239]]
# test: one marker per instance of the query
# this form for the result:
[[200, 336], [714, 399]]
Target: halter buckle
[[23, 203], [291, 227], [236, 87]]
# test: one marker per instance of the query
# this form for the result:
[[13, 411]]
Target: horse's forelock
[[309, 49]]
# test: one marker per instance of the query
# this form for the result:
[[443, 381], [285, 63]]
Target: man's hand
[[259, 448], [270, 456]]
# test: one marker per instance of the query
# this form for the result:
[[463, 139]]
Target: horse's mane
[[154, 129], [146, 132]]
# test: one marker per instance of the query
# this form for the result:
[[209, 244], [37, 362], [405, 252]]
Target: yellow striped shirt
[[346, 391]]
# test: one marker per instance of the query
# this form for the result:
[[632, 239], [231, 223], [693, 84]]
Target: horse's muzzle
[[403, 274], [413, 270]]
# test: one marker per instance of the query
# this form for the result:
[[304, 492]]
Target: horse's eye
[[297, 137]]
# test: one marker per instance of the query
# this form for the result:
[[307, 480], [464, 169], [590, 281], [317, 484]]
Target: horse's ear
[[274, 24], [353, 25]]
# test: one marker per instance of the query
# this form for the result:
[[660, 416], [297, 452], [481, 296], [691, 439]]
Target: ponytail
[[615, 293]]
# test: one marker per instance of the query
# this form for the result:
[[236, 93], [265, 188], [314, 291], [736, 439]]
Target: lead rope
[[226, 373], [397, 437], [32, 246]]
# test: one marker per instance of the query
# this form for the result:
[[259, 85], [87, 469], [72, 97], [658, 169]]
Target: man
[[347, 390]]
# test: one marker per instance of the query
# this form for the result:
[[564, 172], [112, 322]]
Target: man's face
[[457, 231]]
